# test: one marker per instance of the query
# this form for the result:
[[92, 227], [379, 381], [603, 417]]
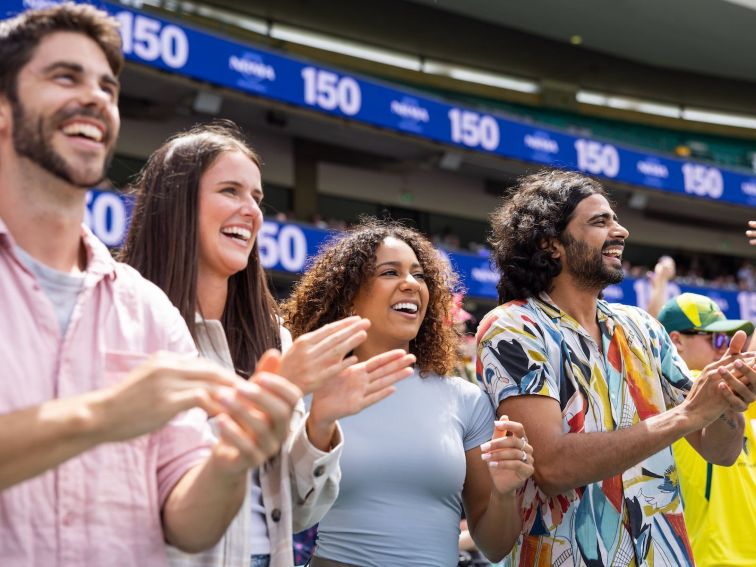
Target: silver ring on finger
[[522, 443], [524, 457]]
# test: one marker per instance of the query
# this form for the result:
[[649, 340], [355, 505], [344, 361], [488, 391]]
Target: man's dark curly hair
[[326, 292], [537, 212]]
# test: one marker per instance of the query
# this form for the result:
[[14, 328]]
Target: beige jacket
[[299, 484]]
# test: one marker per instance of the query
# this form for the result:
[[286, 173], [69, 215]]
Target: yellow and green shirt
[[720, 502]]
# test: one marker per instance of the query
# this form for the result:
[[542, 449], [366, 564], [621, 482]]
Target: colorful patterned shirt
[[631, 519]]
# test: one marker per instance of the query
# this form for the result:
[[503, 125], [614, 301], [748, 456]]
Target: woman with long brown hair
[[413, 461], [194, 235]]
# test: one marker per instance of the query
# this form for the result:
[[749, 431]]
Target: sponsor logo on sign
[[653, 169], [749, 188], [252, 66], [485, 275], [613, 293], [412, 115], [410, 110], [39, 4], [541, 143]]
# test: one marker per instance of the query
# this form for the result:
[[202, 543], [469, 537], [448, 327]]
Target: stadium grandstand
[[428, 110]]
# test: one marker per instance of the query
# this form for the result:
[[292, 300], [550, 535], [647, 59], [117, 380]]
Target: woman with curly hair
[[194, 234], [412, 462]]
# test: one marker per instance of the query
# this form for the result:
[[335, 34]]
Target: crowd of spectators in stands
[[705, 270]]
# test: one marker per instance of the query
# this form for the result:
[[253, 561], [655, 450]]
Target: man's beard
[[586, 265], [32, 139]]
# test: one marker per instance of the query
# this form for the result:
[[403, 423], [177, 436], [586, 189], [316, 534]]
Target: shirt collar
[[99, 260], [100, 263], [604, 314], [547, 304]]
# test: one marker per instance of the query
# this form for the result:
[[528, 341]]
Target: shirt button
[[68, 519], [275, 515], [319, 470]]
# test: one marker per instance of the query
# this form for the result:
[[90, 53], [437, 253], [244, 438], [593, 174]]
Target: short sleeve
[[513, 355], [676, 377], [183, 444], [177, 334], [480, 423], [187, 439]]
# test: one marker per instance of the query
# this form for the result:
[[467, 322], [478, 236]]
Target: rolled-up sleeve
[[187, 439], [314, 475], [182, 444], [513, 357]]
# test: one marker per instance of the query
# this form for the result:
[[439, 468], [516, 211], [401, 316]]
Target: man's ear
[[6, 113], [553, 246], [675, 338]]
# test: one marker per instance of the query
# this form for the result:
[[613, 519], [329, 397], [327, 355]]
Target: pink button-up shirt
[[103, 506]]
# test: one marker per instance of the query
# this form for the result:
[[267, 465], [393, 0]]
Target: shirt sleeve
[[513, 356], [314, 475], [676, 378], [187, 439], [480, 423], [286, 340]]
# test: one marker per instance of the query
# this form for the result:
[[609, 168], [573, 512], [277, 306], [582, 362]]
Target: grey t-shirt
[[62, 288], [403, 468]]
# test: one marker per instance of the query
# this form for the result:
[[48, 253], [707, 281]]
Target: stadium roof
[[713, 37]]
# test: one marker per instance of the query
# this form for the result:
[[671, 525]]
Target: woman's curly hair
[[539, 209], [326, 292]]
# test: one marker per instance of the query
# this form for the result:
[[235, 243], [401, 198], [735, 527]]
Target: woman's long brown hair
[[163, 240]]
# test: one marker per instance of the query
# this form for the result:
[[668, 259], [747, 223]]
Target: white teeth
[[615, 252], [83, 129], [411, 307], [243, 233]]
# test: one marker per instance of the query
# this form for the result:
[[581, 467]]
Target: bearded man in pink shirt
[[105, 452]]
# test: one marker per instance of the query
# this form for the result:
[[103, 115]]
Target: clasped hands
[[728, 384]]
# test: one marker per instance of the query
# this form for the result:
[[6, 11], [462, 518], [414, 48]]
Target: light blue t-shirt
[[403, 468]]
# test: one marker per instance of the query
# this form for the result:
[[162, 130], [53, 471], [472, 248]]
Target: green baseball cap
[[691, 311]]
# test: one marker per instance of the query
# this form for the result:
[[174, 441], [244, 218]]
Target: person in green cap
[[720, 510]]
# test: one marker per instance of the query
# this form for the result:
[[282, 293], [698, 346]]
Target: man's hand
[[253, 425], [356, 388], [665, 269], [318, 356], [142, 400], [156, 391], [253, 417], [709, 397], [751, 234], [726, 384], [737, 371], [720, 441], [256, 418]]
